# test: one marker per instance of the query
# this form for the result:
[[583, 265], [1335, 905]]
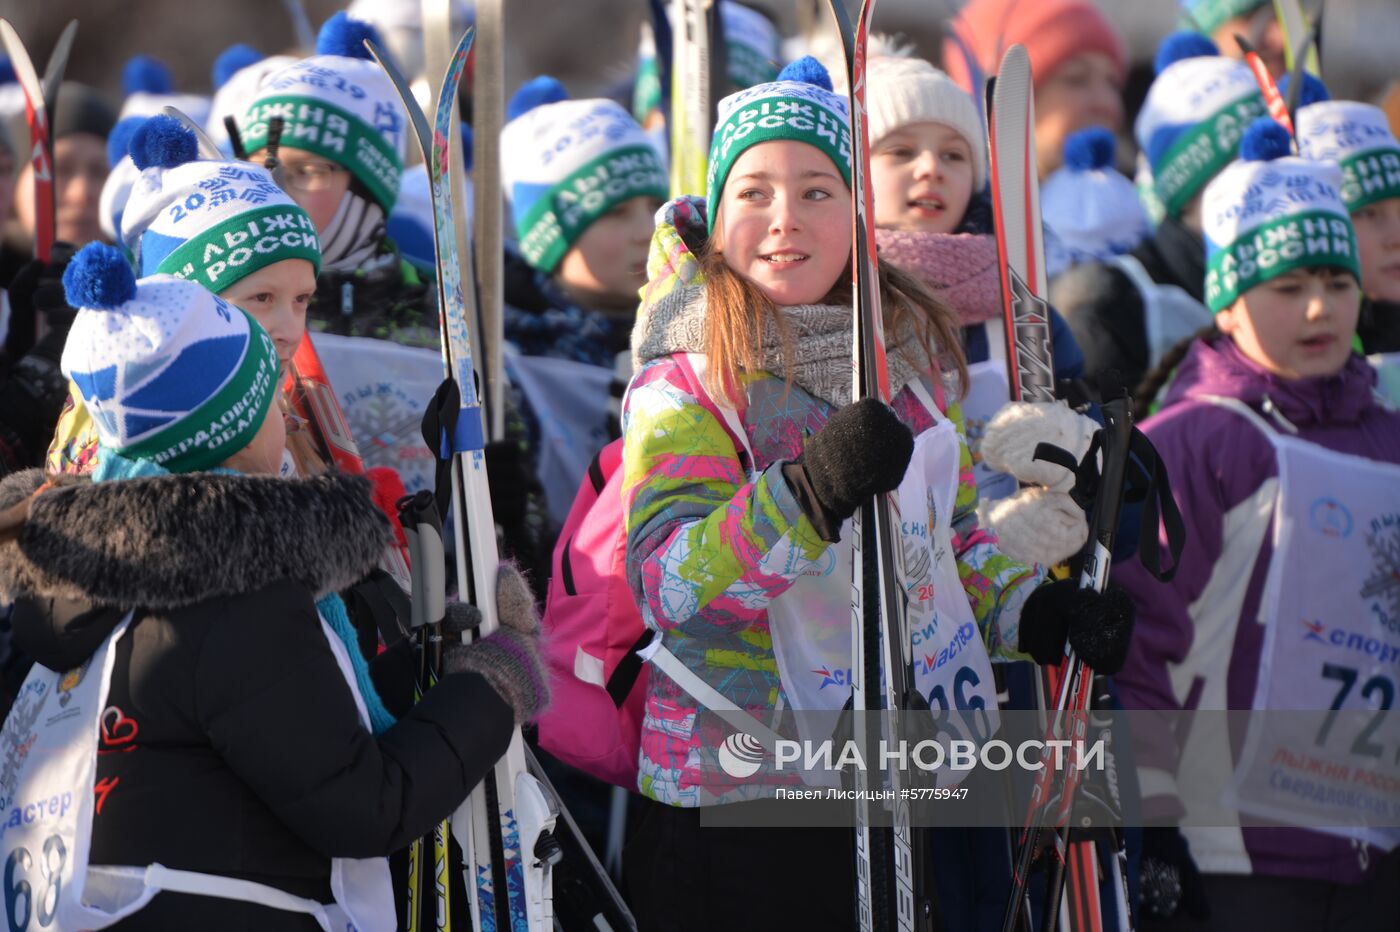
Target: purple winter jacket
[[1205, 654]]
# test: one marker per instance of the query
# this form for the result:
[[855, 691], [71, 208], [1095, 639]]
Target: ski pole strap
[[447, 433], [1159, 512]]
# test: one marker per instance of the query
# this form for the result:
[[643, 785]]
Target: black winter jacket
[[232, 742], [1105, 311]]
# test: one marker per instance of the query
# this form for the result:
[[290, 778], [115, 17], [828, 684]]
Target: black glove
[[1099, 625], [1170, 881], [511, 481], [863, 450], [36, 293]]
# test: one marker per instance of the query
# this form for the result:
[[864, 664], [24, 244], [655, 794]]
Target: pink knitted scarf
[[961, 268]]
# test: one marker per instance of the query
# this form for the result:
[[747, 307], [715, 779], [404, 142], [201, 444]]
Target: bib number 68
[[19, 893]]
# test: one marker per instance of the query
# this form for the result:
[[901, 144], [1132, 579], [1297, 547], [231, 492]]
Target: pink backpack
[[593, 632]]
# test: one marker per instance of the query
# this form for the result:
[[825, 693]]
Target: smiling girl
[[1275, 442], [743, 459]]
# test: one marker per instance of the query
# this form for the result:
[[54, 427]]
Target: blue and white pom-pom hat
[[169, 372], [150, 88], [214, 222], [1195, 113], [1357, 137], [1270, 213], [1093, 209], [565, 163], [340, 105], [798, 106]]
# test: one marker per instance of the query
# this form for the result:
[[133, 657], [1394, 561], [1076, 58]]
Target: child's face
[[785, 221], [316, 183], [610, 258], [277, 296], [921, 178], [1297, 325], [1378, 248]]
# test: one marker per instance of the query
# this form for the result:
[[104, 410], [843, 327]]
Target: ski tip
[[231, 61], [99, 278], [1180, 46], [346, 37], [807, 70], [1265, 141], [163, 142], [536, 92], [119, 140], [1312, 91], [144, 74], [1090, 149]]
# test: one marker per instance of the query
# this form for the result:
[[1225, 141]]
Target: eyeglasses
[[310, 176]]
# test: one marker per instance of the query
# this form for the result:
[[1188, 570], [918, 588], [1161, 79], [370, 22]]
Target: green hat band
[[559, 218], [1200, 154], [227, 421], [1298, 241], [235, 249], [770, 119], [338, 135], [1370, 177]]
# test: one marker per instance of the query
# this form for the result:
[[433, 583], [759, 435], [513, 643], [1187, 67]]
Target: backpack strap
[[707, 695]]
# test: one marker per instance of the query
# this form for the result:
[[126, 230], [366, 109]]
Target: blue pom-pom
[[346, 37], [144, 73], [7, 71], [806, 70], [1090, 149], [467, 138], [119, 139], [535, 92], [1313, 91], [1182, 45], [1265, 141], [233, 60], [99, 277], [162, 142]]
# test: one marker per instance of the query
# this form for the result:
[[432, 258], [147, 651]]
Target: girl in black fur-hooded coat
[[241, 736]]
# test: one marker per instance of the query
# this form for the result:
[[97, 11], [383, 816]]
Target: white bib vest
[[811, 621], [1331, 616], [49, 746]]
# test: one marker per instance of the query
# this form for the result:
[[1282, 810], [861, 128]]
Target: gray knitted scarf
[[819, 355]]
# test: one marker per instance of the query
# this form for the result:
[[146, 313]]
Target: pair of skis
[[894, 889], [1285, 111], [1010, 111], [504, 827], [697, 83], [39, 100]]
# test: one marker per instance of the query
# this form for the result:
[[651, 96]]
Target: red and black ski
[[894, 889]]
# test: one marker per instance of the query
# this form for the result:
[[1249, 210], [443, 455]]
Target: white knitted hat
[[901, 90]]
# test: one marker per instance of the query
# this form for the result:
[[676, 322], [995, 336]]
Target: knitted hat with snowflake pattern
[[168, 371]]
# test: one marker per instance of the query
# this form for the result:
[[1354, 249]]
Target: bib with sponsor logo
[[48, 765], [1331, 617]]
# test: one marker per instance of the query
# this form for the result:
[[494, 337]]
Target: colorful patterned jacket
[[713, 537]]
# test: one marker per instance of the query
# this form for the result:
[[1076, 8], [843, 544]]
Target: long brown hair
[[735, 312]]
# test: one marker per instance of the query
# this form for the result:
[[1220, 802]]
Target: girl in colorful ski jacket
[[225, 727], [1286, 468], [743, 458]]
